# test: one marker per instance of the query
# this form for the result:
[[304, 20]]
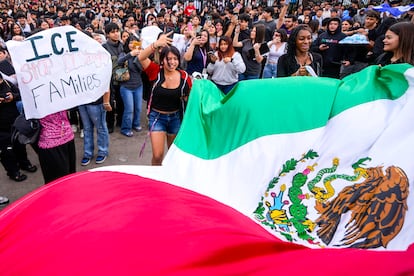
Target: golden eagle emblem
[[377, 207]]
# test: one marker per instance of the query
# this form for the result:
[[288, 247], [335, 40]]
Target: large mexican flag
[[316, 161], [299, 163]]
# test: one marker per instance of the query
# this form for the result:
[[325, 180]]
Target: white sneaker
[[3, 200], [81, 135], [74, 128]]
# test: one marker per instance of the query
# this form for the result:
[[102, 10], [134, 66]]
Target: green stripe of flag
[[215, 124]]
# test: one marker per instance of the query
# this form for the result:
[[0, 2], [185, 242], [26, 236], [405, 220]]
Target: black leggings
[[12, 158], [58, 161]]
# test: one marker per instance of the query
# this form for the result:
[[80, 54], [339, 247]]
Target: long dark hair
[[13, 33], [283, 35], [291, 43], [405, 32], [129, 40], [170, 49], [230, 50], [207, 44], [260, 33], [314, 26]]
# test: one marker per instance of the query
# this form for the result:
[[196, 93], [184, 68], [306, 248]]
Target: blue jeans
[[19, 105], [248, 77], [169, 123], [226, 88], [94, 115], [132, 99], [270, 71]]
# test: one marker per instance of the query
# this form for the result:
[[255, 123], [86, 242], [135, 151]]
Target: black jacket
[[8, 111], [287, 65], [384, 59]]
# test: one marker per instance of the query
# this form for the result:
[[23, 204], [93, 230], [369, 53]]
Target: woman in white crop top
[[277, 48]]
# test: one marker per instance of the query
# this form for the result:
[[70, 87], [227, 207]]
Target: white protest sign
[[58, 69], [179, 42], [149, 35]]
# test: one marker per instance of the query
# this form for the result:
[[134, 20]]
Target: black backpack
[[25, 131]]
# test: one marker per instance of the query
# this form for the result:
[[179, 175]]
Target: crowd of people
[[225, 43]]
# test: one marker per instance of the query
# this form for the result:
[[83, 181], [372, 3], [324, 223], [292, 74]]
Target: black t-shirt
[[252, 66]]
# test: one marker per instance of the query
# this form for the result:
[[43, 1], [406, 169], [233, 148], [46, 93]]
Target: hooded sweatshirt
[[332, 56]]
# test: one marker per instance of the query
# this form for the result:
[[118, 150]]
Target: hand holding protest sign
[[58, 69]]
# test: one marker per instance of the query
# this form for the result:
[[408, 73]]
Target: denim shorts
[[169, 123]]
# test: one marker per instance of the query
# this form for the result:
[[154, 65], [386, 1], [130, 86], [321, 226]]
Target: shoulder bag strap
[[158, 80]]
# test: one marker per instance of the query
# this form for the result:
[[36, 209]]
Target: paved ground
[[123, 151]]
